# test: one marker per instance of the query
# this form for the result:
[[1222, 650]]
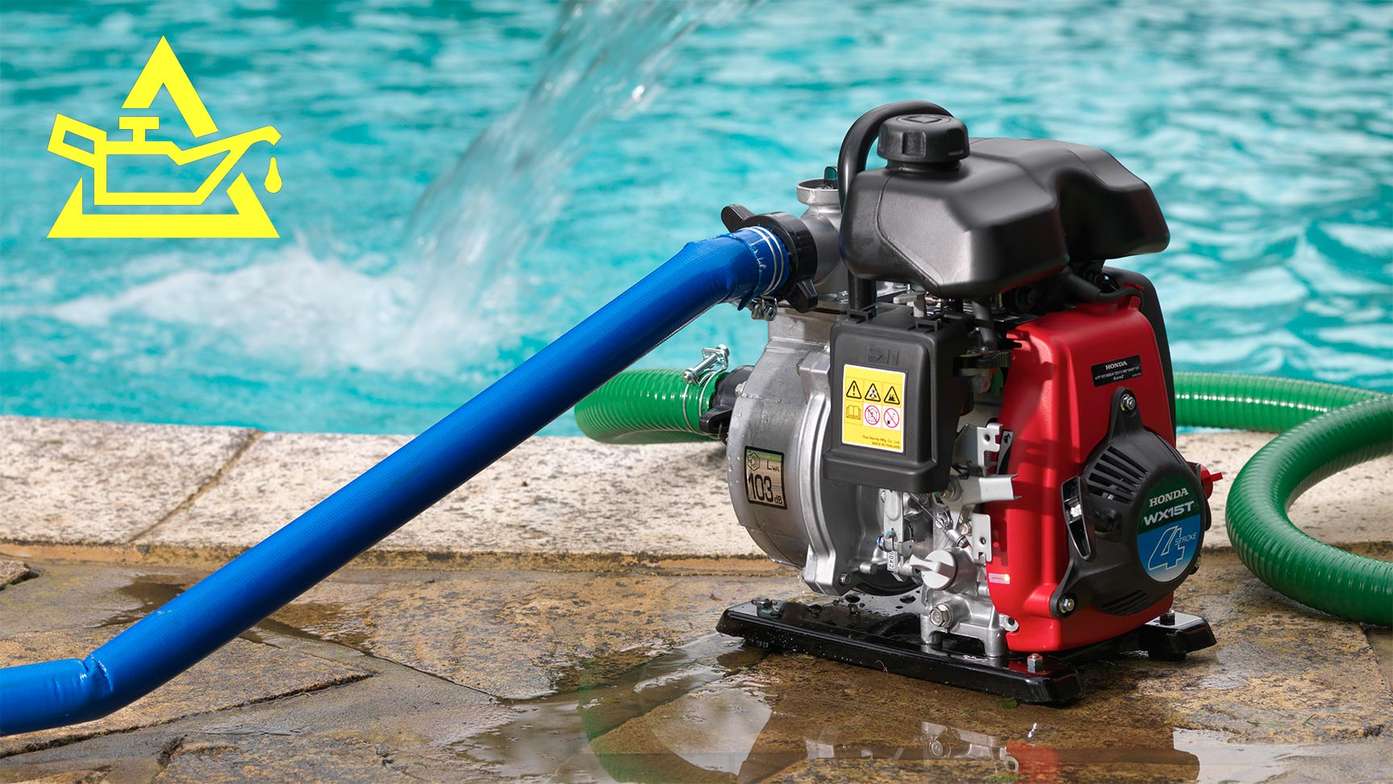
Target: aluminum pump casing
[[783, 407]]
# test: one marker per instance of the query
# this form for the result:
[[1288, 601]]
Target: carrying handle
[[851, 161], [58, 141]]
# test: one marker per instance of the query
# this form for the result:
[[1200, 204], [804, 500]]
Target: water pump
[[962, 428]]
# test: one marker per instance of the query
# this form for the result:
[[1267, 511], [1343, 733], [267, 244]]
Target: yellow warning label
[[873, 408]]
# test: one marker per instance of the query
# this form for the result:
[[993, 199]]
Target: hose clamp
[[699, 378], [713, 360]]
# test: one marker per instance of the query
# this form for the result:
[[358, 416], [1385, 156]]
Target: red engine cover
[[1056, 401]]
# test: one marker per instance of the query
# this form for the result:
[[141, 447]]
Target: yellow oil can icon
[[163, 70]]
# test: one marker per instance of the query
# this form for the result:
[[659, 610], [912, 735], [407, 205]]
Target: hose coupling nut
[[798, 290]]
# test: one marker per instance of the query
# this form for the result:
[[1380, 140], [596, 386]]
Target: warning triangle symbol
[[892, 397], [853, 392], [872, 394]]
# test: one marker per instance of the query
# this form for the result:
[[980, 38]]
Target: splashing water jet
[[474, 223]]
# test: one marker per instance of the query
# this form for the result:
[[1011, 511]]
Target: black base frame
[[851, 633]]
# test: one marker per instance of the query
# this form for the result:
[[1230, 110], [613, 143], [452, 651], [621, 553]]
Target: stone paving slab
[[220, 490], [520, 634], [1283, 684], [87, 482], [67, 596], [262, 673], [1287, 692], [318, 759], [548, 496], [1279, 673], [368, 729], [13, 572], [1355, 505]]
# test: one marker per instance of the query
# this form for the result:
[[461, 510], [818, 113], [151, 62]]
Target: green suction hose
[[648, 407], [1324, 428], [1242, 402], [1327, 428]]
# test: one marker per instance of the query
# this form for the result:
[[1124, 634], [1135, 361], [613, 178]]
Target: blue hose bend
[[737, 267]]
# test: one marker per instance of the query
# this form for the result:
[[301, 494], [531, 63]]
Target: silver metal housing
[[783, 407]]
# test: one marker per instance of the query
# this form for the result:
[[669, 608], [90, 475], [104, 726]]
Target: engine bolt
[[1066, 605], [1129, 402], [1034, 662], [941, 615]]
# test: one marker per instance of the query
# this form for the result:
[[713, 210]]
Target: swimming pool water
[[1266, 130]]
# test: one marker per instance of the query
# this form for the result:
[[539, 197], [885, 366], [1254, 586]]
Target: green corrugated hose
[[1324, 428], [647, 407]]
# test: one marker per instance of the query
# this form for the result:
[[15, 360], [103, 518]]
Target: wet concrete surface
[[385, 675], [260, 674], [522, 638]]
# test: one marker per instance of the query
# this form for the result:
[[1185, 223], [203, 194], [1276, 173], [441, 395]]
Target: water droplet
[[273, 176]]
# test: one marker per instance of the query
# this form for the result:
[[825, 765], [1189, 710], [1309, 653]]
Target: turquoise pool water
[[465, 180]]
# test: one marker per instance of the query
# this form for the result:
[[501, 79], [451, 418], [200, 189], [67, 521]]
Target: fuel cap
[[923, 139]]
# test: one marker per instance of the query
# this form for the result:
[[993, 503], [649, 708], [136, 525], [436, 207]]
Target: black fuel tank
[[969, 222]]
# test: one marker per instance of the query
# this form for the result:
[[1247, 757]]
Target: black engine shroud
[[1011, 212]]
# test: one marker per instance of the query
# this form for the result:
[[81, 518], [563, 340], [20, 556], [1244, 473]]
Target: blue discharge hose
[[736, 267]]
